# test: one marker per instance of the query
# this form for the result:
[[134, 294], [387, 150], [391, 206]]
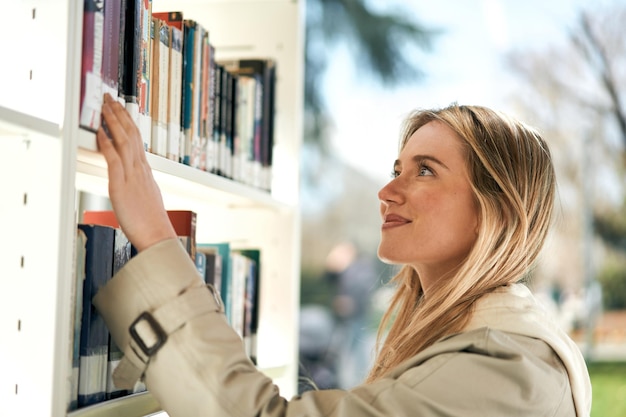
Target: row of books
[[101, 249], [217, 116]]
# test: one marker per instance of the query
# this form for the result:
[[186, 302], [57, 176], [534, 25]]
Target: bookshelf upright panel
[[46, 159]]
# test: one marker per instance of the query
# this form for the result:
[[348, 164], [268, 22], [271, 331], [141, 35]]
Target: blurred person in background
[[354, 277]]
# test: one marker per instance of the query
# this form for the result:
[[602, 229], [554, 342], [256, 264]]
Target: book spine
[[196, 91], [121, 255], [175, 93], [76, 318], [130, 77], [91, 65], [110, 47], [145, 116], [217, 117], [94, 341], [187, 95]]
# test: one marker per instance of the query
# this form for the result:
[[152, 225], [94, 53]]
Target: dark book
[[121, 255], [120, 48], [76, 318], [212, 266], [217, 118], [130, 78], [251, 305], [189, 36], [224, 120], [91, 65], [111, 47], [94, 335]]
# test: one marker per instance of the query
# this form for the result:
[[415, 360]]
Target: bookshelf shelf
[[16, 124], [188, 183], [135, 405], [46, 161]]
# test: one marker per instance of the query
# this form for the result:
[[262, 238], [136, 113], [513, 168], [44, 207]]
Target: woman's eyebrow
[[418, 159]]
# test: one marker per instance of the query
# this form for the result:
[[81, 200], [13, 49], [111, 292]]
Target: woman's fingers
[[112, 124], [128, 126]]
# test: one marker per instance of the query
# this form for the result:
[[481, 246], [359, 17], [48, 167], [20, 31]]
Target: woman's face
[[430, 216]]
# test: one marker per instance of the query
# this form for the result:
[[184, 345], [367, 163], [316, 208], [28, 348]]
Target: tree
[[577, 98], [381, 42]]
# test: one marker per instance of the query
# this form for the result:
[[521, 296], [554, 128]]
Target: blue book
[[223, 250], [201, 264], [189, 31], [94, 335]]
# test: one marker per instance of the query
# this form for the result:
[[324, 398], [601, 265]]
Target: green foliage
[[613, 281], [611, 228], [608, 381]]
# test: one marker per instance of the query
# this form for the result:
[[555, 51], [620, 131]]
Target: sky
[[464, 66]]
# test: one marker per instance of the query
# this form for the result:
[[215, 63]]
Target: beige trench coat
[[505, 364]]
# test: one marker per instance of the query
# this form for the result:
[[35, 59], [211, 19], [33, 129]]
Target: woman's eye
[[425, 171], [394, 174]]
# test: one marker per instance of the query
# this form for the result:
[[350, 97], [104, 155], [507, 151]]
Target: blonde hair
[[513, 180]]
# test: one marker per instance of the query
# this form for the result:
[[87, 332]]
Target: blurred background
[[559, 65]]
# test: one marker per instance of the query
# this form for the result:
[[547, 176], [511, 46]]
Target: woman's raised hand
[[134, 193]]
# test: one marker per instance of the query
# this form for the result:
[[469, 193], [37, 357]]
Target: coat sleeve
[[201, 368]]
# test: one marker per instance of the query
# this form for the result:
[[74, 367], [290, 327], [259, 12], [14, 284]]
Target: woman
[[466, 214]]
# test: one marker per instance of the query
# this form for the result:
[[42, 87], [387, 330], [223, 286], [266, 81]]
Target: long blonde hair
[[513, 180]]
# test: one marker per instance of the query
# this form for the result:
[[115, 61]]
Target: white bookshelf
[[46, 159]]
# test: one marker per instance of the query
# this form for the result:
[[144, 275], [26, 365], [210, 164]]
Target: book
[[189, 39], [223, 250], [174, 135], [111, 47], [130, 79], [211, 146], [204, 123], [201, 264], [224, 142], [91, 65], [251, 303], [237, 292], [121, 255], [94, 335], [200, 35], [145, 85], [80, 242], [217, 118], [212, 266], [160, 85]]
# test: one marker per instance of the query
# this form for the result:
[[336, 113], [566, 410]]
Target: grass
[[608, 382]]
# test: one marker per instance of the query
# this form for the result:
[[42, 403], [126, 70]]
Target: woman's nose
[[390, 193]]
